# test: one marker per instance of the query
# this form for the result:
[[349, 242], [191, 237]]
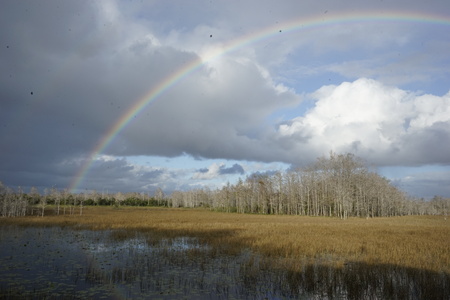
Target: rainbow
[[266, 33]]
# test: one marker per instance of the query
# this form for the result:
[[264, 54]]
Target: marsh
[[64, 262]]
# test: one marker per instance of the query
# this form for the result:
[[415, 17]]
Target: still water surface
[[64, 263]]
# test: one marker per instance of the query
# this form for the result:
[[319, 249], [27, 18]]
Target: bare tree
[[56, 196], [34, 198], [43, 201], [119, 198]]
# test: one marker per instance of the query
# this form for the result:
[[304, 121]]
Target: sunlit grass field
[[421, 242]]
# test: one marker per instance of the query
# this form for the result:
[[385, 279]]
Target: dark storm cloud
[[41, 58], [68, 75]]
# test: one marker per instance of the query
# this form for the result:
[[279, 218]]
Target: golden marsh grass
[[421, 242]]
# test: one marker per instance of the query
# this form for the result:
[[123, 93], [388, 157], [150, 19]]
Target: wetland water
[[63, 263]]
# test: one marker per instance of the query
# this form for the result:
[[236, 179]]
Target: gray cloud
[[217, 170], [235, 169], [425, 184]]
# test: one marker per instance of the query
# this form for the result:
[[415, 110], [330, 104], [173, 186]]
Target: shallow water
[[66, 263]]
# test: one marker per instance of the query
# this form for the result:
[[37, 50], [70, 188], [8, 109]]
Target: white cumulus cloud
[[373, 120]]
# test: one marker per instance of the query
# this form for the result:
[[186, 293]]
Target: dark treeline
[[339, 186]]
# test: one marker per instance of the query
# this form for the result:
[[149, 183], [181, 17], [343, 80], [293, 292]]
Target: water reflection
[[75, 264]]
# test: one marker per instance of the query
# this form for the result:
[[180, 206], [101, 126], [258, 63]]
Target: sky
[[132, 96]]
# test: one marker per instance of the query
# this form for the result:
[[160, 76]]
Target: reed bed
[[419, 242]]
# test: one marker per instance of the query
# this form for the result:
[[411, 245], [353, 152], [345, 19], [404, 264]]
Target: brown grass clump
[[421, 242]]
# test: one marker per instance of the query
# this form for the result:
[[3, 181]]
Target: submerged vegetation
[[339, 186]]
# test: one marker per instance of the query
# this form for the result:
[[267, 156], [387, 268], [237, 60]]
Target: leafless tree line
[[12, 204], [17, 203], [338, 186]]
